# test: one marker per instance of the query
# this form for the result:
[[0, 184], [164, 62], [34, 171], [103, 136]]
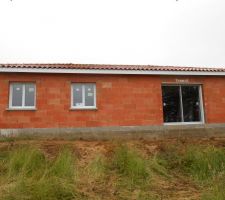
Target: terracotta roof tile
[[112, 67]]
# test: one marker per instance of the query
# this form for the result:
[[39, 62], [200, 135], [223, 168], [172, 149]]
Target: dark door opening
[[182, 103]]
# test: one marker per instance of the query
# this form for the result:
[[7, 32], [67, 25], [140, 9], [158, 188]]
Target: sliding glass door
[[182, 103]]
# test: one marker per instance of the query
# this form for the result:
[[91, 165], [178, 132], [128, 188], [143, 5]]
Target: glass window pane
[[77, 95], [89, 95], [17, 94], [29, 94], [191, 103], [171, 104]]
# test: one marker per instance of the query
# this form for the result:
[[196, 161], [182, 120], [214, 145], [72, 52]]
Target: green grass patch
[[50, 188], [64, 165], [31, 176], [26, 173], [131, 165], [97, 168], [26, 161], [204, 163], [217, 190], [158, 165]]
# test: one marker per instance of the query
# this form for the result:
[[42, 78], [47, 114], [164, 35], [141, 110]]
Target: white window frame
[[83, 97], [23, 107], [202, 113]]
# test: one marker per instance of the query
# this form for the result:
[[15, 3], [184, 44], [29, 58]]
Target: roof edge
[[110, 71]]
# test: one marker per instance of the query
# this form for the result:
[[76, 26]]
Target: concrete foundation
[[123, 132]]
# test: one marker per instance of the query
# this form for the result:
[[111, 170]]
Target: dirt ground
[[176, 188], [86, 150]]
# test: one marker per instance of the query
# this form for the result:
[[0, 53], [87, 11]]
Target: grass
[[25, 161], [36, 178], [97, 168], [131, 165], [204, 163], [16, 138], [157, 165], [42, 189], [217, 190], [27, 173], [7, 139], [64, 165]]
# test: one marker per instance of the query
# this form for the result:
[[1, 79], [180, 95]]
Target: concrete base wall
[[123, 132]]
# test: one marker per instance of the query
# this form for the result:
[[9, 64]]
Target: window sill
[[21, 109], [182, 123], [94, 108]]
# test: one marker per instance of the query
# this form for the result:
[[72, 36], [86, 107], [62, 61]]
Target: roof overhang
[[107, 71]]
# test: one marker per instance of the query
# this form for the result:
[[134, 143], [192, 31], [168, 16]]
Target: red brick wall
[[122, 100]]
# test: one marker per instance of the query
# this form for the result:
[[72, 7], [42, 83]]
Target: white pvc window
[[22, 96], [83, 95]]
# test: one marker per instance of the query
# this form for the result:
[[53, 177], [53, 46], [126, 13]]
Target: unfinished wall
[[122, 100]]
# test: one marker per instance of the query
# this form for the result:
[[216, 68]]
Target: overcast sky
[[156, 32]]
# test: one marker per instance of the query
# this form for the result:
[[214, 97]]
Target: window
[[83, 95], [22, 96], [182, 103]]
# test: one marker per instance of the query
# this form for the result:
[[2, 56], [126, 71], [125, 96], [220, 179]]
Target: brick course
[[122, 100]]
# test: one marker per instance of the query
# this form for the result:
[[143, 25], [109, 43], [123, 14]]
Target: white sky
[[158, 32]]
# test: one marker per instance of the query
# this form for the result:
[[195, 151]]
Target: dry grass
[[95, 170]]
